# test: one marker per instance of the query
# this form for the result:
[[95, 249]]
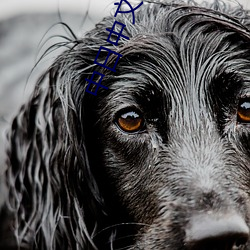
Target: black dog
[[160, 160]]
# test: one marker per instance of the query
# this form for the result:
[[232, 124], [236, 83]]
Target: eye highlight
[[243, 112], [130, 121]]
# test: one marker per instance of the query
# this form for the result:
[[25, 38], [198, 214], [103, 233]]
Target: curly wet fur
[[77, 182]]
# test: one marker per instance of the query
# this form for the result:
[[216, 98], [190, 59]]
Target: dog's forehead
[[183, 50]]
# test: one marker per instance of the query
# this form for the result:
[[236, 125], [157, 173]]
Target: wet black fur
[[76, 181]]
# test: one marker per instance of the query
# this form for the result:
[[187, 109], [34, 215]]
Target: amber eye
[[130, 121], [243, 113]]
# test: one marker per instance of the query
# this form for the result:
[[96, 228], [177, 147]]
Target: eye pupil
[[130, 121], [243, 113]]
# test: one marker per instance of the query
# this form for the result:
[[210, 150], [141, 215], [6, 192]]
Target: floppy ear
[[51, 187]]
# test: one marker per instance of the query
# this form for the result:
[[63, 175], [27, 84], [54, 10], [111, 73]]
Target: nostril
[[240, 242], [217, 232], [223, 242]]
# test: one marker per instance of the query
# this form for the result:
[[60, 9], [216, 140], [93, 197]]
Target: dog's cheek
[[244, 139], [131, 172]]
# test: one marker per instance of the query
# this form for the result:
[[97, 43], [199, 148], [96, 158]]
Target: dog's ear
[[52, 191]]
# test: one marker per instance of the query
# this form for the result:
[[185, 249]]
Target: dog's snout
[[217, 232]]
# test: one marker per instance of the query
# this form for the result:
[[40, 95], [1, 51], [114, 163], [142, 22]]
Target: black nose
[[217, 232]]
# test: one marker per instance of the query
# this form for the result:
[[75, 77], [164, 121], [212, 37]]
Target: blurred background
[[25, 26]]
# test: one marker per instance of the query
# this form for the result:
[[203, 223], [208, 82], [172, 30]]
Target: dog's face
[[174, 131], [160, 160]]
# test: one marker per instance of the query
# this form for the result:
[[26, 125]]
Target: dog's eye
[[130, 121], [243, 113]]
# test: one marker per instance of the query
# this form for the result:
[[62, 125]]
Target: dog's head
[[161, 158]]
